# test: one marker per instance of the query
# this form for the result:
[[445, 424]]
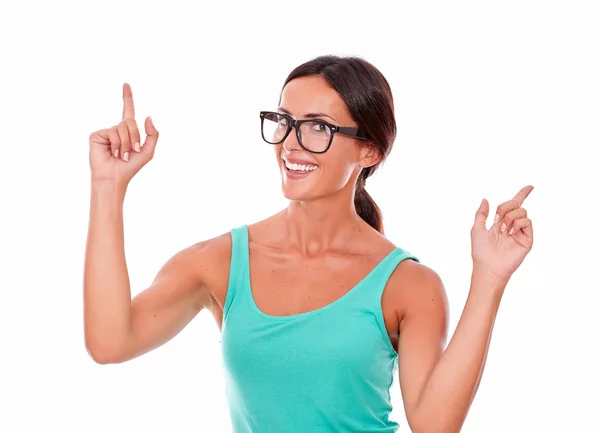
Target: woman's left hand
[[500, 250]]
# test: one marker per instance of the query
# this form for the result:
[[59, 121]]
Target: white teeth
[[300, 167]]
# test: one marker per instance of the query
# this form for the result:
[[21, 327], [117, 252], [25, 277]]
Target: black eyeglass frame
[[351, 131]]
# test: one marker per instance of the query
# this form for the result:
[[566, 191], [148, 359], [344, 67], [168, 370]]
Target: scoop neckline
[[332, 304]]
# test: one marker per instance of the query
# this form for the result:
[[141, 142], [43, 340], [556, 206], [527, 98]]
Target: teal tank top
[[323, 371]]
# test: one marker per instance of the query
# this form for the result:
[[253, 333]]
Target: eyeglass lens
[[314, 135]]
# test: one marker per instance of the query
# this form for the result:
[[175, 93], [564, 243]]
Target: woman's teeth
[[300, 167]]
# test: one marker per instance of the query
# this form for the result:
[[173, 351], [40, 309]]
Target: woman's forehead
[[305, 95]]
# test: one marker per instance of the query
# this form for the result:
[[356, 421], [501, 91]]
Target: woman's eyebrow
[[309, 115]]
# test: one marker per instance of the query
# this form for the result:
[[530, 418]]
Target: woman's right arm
[[118, 328]]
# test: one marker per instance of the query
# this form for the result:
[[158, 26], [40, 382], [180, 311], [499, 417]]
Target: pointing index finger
[[522, 195], [128, 108]]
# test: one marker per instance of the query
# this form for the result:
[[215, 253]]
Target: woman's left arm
[[438, 386]]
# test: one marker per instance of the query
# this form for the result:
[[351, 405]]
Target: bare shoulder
[[199, 266], [211, 253], [212, 259], [202, 256], [416, 289]]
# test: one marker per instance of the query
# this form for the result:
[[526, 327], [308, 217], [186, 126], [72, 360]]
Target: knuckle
[[125, 137], [131, 124], [508, 206], [122, 129], [115, 140]]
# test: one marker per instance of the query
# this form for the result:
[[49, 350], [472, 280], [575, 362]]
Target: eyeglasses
[[314, 136]]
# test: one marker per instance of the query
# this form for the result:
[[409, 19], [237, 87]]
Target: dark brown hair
[[368, 97]]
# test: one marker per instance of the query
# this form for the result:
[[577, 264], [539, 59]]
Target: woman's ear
[[370, 156]]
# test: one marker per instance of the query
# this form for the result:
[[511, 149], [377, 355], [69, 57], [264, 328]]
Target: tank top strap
[[379, 276], [371, 293], [239, 268]]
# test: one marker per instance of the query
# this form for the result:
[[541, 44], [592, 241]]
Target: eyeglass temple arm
[[352, 131]]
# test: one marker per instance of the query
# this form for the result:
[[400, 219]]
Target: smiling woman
[[316, 306], [353, 93]]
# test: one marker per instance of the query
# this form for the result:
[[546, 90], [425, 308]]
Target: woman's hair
[[368, 97]]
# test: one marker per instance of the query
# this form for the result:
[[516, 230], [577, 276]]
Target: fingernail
[[512, 229], [116, 153], [496, 218], [503, 227], [126, 156], [151, 122], [136, 146]]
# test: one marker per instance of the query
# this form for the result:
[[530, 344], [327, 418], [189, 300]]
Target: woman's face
[[318, 175]]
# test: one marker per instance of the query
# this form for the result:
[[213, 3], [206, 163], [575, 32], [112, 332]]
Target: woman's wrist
[[486, 283]]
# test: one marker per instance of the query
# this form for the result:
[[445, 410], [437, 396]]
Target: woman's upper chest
[[286, 284]]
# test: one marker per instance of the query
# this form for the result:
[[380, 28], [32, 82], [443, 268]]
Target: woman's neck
[[319, 225]]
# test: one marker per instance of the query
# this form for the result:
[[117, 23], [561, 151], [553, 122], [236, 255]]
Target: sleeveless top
[[323, 371]]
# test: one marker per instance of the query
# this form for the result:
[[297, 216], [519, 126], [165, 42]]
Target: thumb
[[482, 214], [151, 135]]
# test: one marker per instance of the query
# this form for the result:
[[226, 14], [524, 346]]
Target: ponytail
[[364, 204]]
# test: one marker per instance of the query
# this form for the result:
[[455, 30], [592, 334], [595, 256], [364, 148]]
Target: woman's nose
[[291, 141]]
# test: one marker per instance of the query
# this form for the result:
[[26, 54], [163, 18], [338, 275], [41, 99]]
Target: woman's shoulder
[[210, 261], [214, 254], [415, 287], [412, 285], [216, 250], [206, 260]]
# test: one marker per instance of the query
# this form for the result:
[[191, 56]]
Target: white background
[[490, 96]]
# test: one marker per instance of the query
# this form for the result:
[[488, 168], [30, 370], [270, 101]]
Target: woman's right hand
[[116, 154]]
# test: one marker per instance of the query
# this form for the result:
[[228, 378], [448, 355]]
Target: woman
[[316, 306]]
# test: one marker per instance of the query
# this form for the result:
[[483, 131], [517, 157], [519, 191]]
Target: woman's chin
[[294, 193]]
